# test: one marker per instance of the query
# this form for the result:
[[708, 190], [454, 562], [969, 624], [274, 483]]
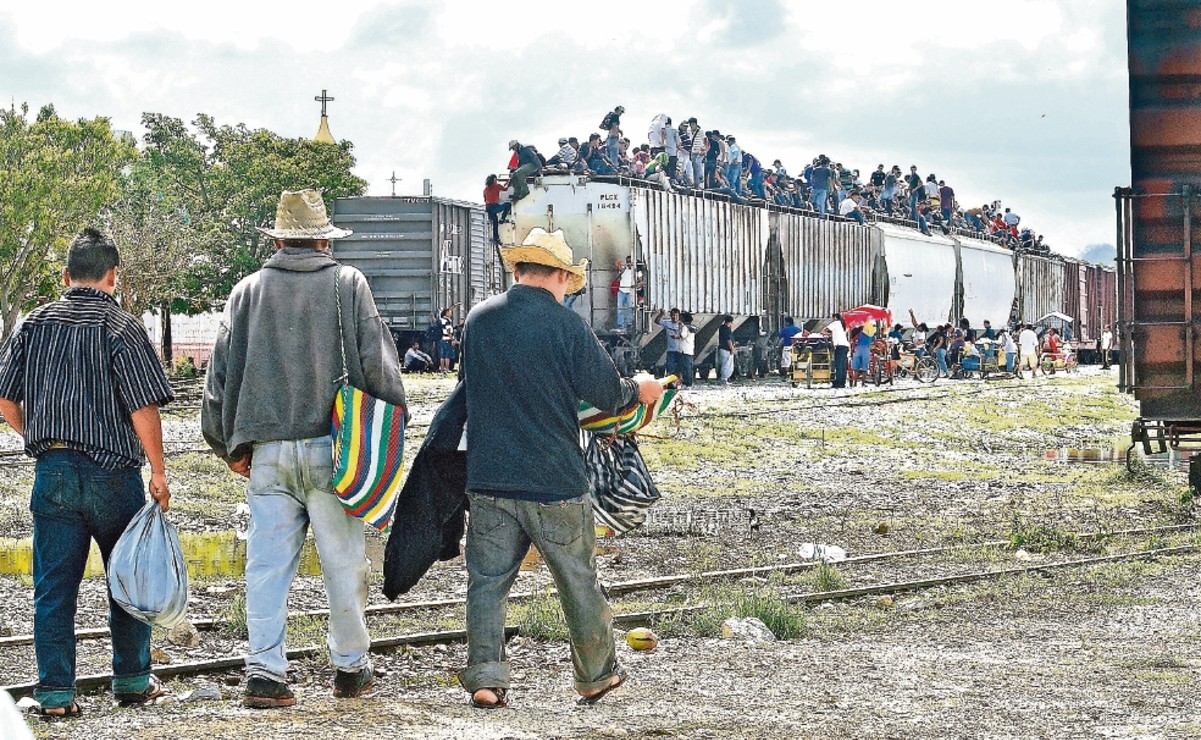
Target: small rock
[[748, 629], [26, 703], [184, 634], [159, 656], [208, 692], [1022, 556], [6, 631], [884, 602], [235, 679], [882, 528], [912, 605]]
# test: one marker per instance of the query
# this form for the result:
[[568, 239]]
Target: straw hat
[[301, 215], [550, 249]]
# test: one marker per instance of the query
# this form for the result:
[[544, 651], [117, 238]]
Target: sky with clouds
[[1023, 101]]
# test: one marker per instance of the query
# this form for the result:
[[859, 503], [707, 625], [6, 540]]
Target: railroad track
[[634, 619]]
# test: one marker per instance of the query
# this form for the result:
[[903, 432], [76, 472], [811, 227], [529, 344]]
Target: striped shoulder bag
[[368, 445]]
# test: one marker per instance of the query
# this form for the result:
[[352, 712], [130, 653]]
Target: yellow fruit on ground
[[641, 638]]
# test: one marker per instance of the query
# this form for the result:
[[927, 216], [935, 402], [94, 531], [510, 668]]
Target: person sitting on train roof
[[850, 208], [566, 155]]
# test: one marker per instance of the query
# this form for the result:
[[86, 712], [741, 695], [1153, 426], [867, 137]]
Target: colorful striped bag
[[628, 421], [368, 446]]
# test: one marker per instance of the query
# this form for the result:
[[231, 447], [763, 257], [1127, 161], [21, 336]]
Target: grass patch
[[233, 618], [725, 601], [540, 617]]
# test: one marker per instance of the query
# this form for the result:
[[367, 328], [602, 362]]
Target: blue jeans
[[612, 151], [820, 197], [625, 309], [698, 171], [499, 533], [840, 366], [914, 197], [1009, 359], [687, 372], [940, 355], [75, 500], [734, 175], [975, 222], [946, 216], [289, 491], [858, 216], [887, 203], [756, 185]]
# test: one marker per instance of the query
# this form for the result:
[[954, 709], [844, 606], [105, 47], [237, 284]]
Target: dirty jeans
[[75, 500], [725, 365], [499, 532], [289, 491]]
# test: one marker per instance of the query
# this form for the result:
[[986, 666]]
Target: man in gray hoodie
[[267, 404]]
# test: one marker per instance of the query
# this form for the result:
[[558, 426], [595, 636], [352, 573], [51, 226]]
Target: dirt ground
[[1089, 652]]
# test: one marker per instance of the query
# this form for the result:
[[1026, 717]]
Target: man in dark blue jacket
[[525, 467]]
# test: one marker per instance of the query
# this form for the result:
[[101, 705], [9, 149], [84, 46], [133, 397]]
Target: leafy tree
[[227, 179], [55, 175], [155, 240]]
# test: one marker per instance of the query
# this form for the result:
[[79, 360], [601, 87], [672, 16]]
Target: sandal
[[52, 713], [154, 689], [594, 698], [500, 703]]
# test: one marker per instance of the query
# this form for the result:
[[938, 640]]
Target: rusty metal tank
[[1159, 269]]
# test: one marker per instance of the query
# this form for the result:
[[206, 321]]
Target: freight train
[[1159, 265], [704, 254]]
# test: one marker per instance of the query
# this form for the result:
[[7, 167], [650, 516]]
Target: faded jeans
[[725, 365], [625, 309], [499, 533], [289, 491], [820, 200], [613, 151], [74, 500], [698, 171]]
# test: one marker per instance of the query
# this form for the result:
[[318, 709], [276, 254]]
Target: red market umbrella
[[860, 315]]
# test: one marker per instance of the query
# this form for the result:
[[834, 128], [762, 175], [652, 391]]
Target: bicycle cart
[[879, 365], [909, 365], [812, 361], [1053, 361]]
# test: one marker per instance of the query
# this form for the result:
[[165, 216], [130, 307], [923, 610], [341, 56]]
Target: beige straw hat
[[301, 215], [551, 249]]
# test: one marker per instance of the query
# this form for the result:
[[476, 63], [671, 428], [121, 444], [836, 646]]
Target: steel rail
[[634, 619], [648, 584]]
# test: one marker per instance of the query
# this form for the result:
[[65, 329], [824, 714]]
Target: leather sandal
[[51, 713], [594, 698]]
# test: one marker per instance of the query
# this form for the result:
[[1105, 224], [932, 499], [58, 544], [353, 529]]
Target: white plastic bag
[[146, 571]]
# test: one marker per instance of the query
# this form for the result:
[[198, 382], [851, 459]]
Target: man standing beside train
[[525, 471], [276, 365]]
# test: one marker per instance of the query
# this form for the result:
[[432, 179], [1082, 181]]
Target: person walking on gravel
[[525, 468], [267, 402], [80, 381]]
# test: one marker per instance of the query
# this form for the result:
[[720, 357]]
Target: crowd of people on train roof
[[682, 156]]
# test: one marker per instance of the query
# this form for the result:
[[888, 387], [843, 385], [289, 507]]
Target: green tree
[[227, 179], [55, 175]]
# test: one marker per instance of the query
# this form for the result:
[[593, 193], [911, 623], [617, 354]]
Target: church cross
[[394, 179], [323, 98]]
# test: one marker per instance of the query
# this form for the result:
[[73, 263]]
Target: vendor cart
[[812, 359]]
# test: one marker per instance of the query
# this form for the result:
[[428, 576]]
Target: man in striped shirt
[[79, 380]]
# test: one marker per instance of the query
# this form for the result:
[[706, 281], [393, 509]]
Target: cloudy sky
[[1020, 101]]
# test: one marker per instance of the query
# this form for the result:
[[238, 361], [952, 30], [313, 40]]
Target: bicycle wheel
[[925, 370]]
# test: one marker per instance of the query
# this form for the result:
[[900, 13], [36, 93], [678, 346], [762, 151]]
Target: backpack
[[606, 122]]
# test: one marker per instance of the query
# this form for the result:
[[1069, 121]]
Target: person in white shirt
[[673, 327], [842, 347], [625, 296], [417, 361], [1010, 348], [671, 147], [850, 207], [1106, 347], [1028, 347], [687, 347], [917, 339], [656, 133]]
